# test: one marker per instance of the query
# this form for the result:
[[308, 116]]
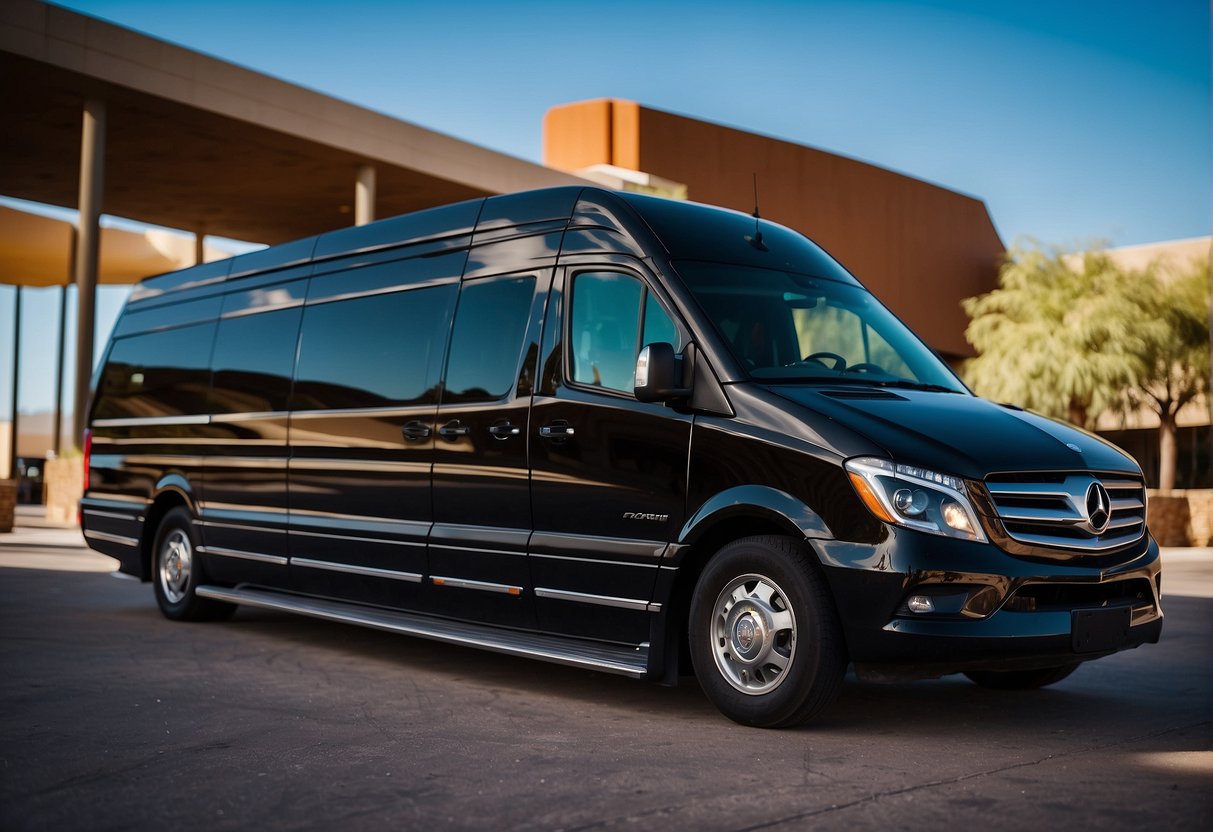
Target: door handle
[[415, 430], [556, 430], [504, 430], [453, 430]]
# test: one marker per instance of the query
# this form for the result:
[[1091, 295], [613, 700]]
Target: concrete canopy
[[203, 145], [36, 251]]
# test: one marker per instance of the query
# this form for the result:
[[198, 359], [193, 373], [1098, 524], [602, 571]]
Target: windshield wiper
[[906, 384], [902, 383]]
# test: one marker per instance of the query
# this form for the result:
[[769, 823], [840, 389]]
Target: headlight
[[915, 498]]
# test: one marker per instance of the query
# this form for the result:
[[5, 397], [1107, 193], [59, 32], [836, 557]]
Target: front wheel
[[1021, 679], [764, 636], [176, 572]]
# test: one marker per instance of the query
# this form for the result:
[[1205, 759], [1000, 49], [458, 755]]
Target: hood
[[959, 434]]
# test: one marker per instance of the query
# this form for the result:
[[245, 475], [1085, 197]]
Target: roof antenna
[[756, 240]]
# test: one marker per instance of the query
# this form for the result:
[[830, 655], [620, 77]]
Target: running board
[[626, 661]]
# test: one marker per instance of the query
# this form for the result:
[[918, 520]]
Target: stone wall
[[1182, 517], [64, 485], [8, 504]]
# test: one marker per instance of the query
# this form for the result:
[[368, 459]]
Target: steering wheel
[[840, 363]]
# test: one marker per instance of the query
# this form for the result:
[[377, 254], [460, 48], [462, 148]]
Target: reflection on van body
[[611, 431]]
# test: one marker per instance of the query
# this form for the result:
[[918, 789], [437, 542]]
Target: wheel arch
[[743, 511], [172, 491]]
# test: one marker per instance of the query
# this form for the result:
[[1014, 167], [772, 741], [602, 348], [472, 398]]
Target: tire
[[176, 572], [764, 636], [1021, 679]]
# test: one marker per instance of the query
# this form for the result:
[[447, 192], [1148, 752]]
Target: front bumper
[[1000, 612]]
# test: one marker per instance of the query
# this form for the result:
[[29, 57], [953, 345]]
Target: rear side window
[[490, 323], [376, 351], [252, 362], [613, 316], [157, 375]]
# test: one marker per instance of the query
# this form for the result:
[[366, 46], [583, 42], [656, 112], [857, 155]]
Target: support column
[[12, 436], [199, 247], [92, 176], [57, 428], [364, 195], [61, 345]]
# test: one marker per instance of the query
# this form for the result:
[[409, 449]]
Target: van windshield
[[785, 327]]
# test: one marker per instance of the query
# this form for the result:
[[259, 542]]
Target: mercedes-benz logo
[[1099, 507], [745, 633]]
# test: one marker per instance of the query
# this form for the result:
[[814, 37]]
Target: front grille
[[1063, 510]]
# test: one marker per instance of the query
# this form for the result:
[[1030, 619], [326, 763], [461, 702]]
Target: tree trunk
[[1166, 452]]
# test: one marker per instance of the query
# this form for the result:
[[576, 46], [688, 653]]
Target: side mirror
[[657, 375]]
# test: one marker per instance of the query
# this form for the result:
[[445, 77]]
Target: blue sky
[[1074, 120]]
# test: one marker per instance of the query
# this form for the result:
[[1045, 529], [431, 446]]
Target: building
[[919, 247]]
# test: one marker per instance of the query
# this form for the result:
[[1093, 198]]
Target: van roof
[[686, 230]]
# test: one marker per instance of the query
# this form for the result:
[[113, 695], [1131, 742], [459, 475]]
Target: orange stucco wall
[[921, 248]]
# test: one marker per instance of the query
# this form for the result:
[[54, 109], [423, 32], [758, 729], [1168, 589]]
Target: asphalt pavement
[[112, 717]]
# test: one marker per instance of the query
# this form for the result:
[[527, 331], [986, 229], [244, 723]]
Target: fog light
[[920, 604], [956, 518]]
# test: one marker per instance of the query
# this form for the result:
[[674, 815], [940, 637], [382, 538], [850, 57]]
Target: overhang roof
[[36, 251], [199, 144]]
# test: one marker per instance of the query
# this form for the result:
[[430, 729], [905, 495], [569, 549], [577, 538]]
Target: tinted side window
[[254, 356], [490, 323], [375, 351], [658, 328], [157, 374], [607, 329]]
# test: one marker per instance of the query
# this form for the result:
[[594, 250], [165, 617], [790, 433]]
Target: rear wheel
[[764, 636], [176, 573], [1021, 679]]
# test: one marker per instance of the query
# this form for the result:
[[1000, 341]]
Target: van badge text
[[644, 515]]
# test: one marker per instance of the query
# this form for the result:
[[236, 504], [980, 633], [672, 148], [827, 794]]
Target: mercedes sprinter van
[[612, 431]]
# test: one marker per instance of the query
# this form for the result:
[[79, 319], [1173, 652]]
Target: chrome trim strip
[[293, 303], [305, 464], [597, 545], [475, 549], [92, 512], [249, 416], [217, 525], [140, 421], [358, 539], [483, 586], [491, 537], [600, 600], [612, 659], [369, 571], [115, 498], [276, 560], [121, 540], [1052, 516], [237, 508], [384, 290], [365, 411], [304, 515], [269, 463], [598, 560]]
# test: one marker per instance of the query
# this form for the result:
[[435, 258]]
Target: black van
[[611, 431]]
